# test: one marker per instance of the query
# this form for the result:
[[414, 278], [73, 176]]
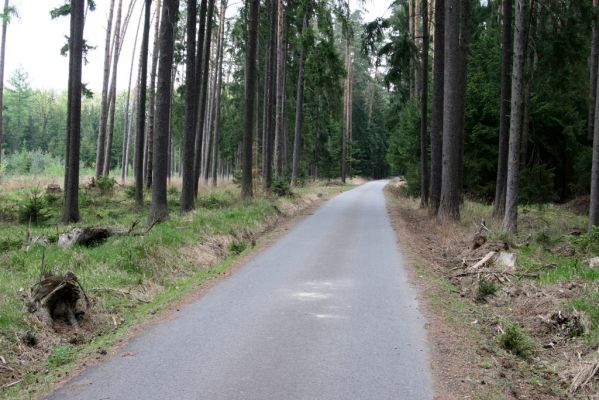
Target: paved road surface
[[325, 313]]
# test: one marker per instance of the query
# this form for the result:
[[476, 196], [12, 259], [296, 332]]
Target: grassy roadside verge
[[497, 334], [129, 279]]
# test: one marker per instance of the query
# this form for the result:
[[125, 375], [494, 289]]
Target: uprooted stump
[[86, 236], [60, 296]]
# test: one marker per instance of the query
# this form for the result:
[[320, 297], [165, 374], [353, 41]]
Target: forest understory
[[521, 324], [128, 279]]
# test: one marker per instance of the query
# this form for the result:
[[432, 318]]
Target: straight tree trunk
[[437, 108], [219, 69], [104, 103], [299, 108], [417, 37], [127, 127], [504, 113], [187, 191], [112, 95], [346, 108], [203, 100], [464, 44], [2, 59], [594, 64], [424, 172], [280, 89], [510, 220], [152, 100], [250, 94], [198, 89], [159, 208], [141, 107], [71, 190], [270, 98], [594, 206], [449, 207]]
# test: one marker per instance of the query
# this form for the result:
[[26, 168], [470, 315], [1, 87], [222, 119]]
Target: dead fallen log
[[86, 236], [60, 296]]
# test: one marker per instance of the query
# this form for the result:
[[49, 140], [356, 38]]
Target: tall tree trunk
[[2, 59], [416, 62], [219, 69], [594, 64], [424, 173], [437, 108], [141, 107], [504, 113], [464, 44], [187, 191], [201, 117], [346, 105], [104, 102], [411, 21], [199, 82], [112, 95], [127, 127], [449, 207], [159, 208], [594, 206], [280, 88], [250, 97], [152, 101], [270, 98], [510, 220], [299, 108], [71, 190]]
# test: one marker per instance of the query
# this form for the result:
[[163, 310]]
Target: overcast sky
[[34, 42]]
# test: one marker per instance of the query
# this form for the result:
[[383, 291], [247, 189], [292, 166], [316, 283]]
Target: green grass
[[161, 260]]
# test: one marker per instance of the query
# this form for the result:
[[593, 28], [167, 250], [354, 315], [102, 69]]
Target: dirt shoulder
[[469, 355]]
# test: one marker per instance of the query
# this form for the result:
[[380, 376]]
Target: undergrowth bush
[[516, 341], [486, 288], [34, 209], [281, 188], [106, 184]]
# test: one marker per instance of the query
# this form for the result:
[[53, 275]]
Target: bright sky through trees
[[34, 42]]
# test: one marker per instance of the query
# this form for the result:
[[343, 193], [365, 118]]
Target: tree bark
[[346, 104], [187, 191], [2, 60], [250, 97], [104, 103], [594, 64], [437, 108], [141, 107], [299, 108], [198, 89], [127, 127], [71, 190], [594, 205], [159, 207], [112, 95], [424, 172], [201, 117], [510, 220], [504, 113], [219, 69], [280, 89], [449, 207], [270, 98], [152, 101]]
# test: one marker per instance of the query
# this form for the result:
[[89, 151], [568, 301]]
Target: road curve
[[325, 313]]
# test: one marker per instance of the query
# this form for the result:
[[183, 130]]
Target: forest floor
[[130, 279], [501, 329]]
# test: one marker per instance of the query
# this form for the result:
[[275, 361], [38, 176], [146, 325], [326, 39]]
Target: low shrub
[[516, 341], [34, 209]]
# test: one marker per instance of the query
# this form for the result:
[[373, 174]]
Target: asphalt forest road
[[325, 313]]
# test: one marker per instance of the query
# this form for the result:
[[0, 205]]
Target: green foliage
[[280, 187], [536, 184], [403, 154], [587, 245], [34, 210], [237, 248], [106, 184], [516, 341], [485, 289], [214, 200], [62, 354]]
